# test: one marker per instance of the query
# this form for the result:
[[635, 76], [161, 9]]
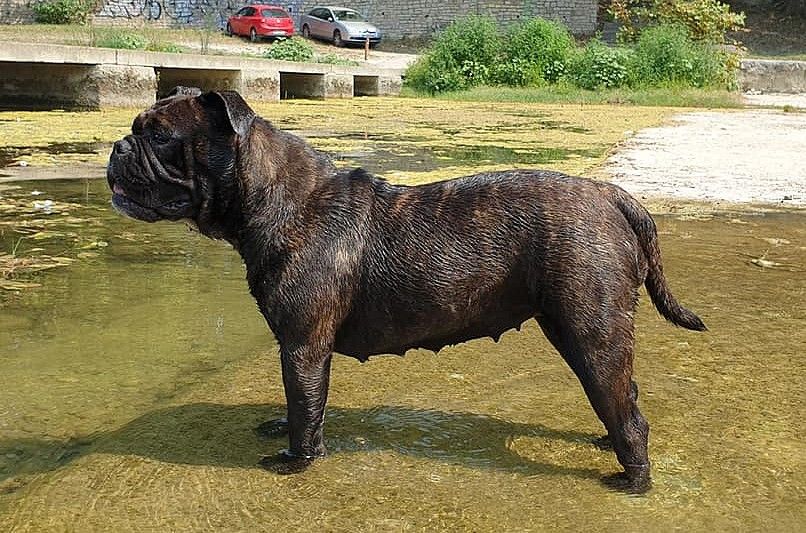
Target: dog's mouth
[[173, 210]]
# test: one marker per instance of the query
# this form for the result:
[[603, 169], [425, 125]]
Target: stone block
[[119, 86], [338, 85]]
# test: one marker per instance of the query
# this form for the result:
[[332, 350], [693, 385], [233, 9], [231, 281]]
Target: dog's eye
[[162, 137]]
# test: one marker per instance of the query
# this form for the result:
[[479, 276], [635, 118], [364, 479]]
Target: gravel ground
[[776, 100], [378, 58], [750, 157]]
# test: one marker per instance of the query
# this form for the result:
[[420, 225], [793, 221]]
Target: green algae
[[134, 376]]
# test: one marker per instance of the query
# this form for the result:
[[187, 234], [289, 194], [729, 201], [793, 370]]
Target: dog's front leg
[[306, 376]]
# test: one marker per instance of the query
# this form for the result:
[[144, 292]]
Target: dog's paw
[[272, 428], [603, 442], [621, 482], [285, 464]]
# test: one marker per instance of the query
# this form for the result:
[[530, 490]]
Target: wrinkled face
[[153, 171]]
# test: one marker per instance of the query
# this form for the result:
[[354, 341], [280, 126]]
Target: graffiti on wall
[[173, 12]]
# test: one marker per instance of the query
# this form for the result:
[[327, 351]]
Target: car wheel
[[337, 39], [253, 35], [228, 31], [306, 32]]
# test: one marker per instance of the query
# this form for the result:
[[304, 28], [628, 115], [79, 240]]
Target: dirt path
[[747, 157]]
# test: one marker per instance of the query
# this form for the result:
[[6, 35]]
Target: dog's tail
[[644, 228]]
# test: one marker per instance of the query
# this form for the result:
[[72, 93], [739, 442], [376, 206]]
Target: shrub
[[62, 11], [462, 56], [537, 49], [333, 59], [425, 76], [705, 20], [293, 49], [598, 65], [125, 40], [160, 46], [666, 55], [520, 72]]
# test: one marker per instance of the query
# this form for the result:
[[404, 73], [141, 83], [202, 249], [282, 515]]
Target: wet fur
[[344, 261]]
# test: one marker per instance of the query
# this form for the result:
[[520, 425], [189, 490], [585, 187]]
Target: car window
[[319, 13], [249, 11], [242, 12], [274, 14], [347, 14]]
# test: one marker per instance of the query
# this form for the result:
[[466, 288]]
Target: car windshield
[[273, 14], [346, 14]]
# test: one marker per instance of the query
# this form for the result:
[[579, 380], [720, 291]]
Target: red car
[[261, 21]]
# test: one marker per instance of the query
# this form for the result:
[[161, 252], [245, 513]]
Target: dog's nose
[[122, 147]]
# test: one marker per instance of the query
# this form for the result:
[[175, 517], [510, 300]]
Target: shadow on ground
[[223, 435]]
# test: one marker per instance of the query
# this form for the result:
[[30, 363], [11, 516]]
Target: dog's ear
[[231, 107], [181, 90]]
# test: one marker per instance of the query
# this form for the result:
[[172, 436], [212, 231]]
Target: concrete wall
[[770, 76], [425, 18], [75, 85], [416, 18]]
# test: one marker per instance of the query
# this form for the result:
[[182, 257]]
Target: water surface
[[131, 380]]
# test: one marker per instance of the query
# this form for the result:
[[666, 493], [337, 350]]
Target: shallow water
[[132, 378]]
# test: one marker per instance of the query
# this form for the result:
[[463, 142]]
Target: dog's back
[[447, 262]]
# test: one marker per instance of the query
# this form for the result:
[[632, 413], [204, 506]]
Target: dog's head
[[179, 161]]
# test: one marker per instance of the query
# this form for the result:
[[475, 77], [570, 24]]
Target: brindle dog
[[343, 261]]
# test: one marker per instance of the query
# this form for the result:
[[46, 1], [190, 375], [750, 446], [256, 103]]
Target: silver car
[[340, 25]]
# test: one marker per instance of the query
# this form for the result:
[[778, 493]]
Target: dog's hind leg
[[600, 352]]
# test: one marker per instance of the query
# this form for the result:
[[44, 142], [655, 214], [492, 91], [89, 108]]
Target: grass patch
[[156, 39], [569, 94]]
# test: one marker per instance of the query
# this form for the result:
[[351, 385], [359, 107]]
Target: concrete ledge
[[207, 80], [97, 77], [773, 76]]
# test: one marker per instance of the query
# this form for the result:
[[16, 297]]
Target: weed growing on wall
[[123, 40], [63, 11]]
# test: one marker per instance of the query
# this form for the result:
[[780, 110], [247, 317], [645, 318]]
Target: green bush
[[705, 20], [665, 55], [462, 56], [470, 53], [598, 65], [124, 40], [537, 49], [517, 72], [62, 11], [293, 49], [160, 46], [333, 59]]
